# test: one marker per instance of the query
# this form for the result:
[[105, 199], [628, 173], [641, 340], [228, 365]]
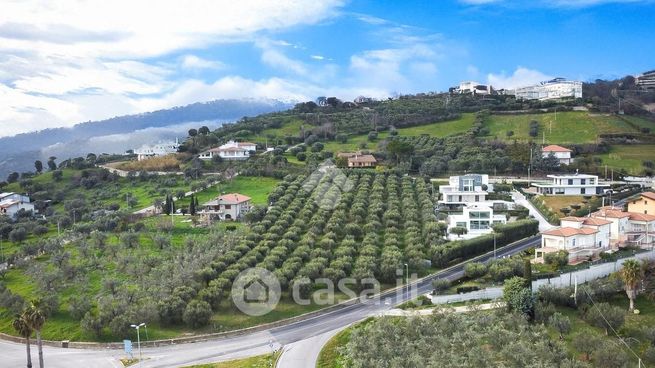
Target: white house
[[227, 207], [465, 189], [561, 153], [230, 151], [159, 149], [552, 89], [620, 223], [11, 203], [582, 237], [473, 88], [571, 184], [628, 228], [477, 218]]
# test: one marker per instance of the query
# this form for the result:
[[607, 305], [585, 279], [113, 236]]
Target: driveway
[[519, 198]]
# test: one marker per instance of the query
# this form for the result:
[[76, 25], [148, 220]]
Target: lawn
[[256, 188], [260, 361], [561, 128], [441, 129], [629, 157]]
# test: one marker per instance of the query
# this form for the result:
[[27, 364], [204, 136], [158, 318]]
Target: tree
[[341, 138], [203, 130], [458, 230], [38, 165], [509, 133], [610, 355], [372, 136], [517, 296], [35, 316], [57, 175], [52, 166], [605, 316], [586, 343], [631, 274], [197, 313], [25, 331], [13, 177], [192, 206], [557, 259], [561, 323]]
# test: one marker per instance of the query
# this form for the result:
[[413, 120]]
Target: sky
[[67, 61]]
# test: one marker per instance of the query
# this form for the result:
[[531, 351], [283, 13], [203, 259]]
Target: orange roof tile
[[634, 216], [570, 231], [649, 195], [555, 148], [233, 198], [362, 158], [572, 218]]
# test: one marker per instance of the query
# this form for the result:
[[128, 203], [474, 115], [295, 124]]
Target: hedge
[[505, 234]]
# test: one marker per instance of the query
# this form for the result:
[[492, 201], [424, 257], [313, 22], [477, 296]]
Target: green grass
[[257, 188], [567, 127], [628, 157], [441, 129], [260, 361]]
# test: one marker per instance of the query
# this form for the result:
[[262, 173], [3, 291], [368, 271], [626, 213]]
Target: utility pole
[[494, 245]]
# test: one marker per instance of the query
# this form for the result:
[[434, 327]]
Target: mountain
[[118, 134]]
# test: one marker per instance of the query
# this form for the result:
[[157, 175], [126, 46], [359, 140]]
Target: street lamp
[[138, 338], [494, 245], [407, 273]]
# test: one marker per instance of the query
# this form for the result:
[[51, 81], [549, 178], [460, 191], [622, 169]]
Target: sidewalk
[[519, 198]]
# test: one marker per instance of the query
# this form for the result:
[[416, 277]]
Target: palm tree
[[631, 274], [24, 330], [35, 317]]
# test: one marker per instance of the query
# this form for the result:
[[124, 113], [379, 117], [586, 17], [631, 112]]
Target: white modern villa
[[628, 228], [464, 189], [549, 90], [160, 149], [230, 151], [563, 154], [477, 218], [571, 184]]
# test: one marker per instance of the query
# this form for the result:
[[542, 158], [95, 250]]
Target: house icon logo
[[256, 291]]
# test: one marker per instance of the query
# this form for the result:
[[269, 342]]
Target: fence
[[567, 279]]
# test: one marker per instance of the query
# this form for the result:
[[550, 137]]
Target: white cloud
[[317, 57], [194, 62], [66, 61], [520, 78]]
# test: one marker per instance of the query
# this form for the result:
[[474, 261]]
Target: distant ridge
[[18, 153]]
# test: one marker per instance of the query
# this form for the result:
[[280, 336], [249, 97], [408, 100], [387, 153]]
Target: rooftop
[[362, 158], [649, 195], [555, 148], [570, 231]]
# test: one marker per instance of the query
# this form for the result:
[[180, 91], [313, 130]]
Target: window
[[467, 185], [583, 190], [570, 181], [583, 181], [477, 198], [228, 207]]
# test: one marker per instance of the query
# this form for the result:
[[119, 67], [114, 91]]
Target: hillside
[[115, 135]]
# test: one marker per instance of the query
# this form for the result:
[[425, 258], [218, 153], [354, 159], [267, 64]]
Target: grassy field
[[256, 188], [628, 157], [567, 127], [556, 202], [260, 361]]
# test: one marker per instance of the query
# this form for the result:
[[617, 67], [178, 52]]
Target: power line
[[612, 328]]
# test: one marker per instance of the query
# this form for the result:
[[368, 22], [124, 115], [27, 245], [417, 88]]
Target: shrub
[[557, 259], [440, 284], [475, 270], [197, 313]]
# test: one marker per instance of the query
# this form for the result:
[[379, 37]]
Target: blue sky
[[64, 61]]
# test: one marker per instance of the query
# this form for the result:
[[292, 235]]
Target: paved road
[[13, 355]]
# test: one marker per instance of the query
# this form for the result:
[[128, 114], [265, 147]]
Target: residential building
[[231, 206], [561, 153], [571, 184], [11, 203], [230, 151], [361, 161], [583, 238], [646, 80], [474, 88], [628, 228], [464, 189], [552, 89], [159, 149], [644, 204], [477, 218]]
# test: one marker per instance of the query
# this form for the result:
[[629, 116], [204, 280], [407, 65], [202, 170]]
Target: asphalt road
[[13, 355]]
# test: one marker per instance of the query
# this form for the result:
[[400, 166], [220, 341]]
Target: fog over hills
[[118, 134]]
